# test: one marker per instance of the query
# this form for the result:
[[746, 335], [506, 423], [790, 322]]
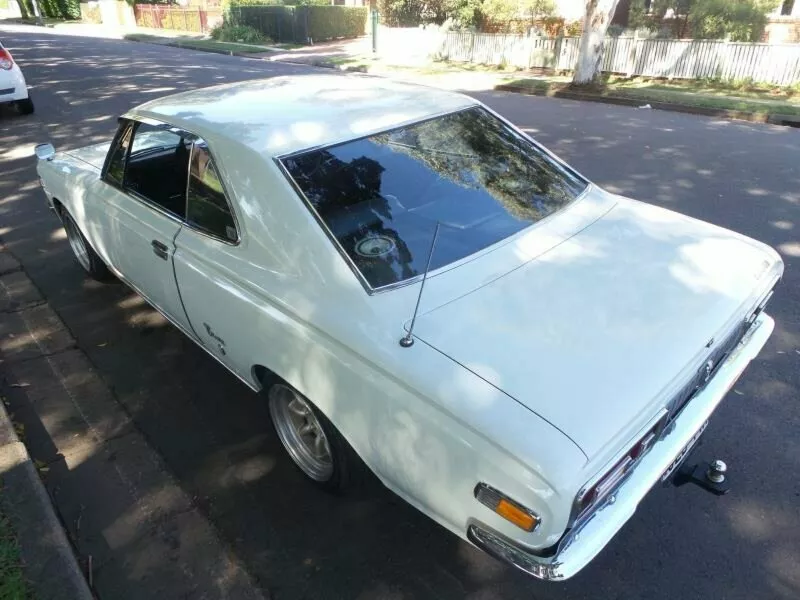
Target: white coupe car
[[13, 89], [417, 286]]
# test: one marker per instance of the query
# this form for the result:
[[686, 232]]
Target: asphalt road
[[214, 434]]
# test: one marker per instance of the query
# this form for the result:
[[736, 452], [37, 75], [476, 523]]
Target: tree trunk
[[590, 56]]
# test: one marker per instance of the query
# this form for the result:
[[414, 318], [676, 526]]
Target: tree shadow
[[213, 433]]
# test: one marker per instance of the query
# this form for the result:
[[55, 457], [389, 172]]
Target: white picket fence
[[681, 59]]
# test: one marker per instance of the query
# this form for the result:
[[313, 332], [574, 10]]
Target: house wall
[[783, 30], [573, 10]]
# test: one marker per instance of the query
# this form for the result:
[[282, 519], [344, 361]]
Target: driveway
[[214, 434]]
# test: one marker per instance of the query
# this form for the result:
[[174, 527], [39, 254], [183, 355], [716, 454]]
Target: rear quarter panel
[[429, 429]]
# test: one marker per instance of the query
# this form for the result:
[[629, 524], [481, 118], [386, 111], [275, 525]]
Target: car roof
[[282, 115]]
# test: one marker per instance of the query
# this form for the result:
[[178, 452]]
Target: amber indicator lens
[[506, 508]]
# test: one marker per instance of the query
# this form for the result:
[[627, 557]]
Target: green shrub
[[54, 9], [301, 24], [329, 22], [275, 22], [228, 32]]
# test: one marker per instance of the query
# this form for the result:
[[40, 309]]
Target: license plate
[[684, 453]]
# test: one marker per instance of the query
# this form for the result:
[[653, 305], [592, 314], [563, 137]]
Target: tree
[[739, 20], [590, 54]]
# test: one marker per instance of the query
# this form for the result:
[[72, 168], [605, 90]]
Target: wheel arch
[[264, 377]]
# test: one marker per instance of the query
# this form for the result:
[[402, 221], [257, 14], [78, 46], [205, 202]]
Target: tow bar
[[712, 477]]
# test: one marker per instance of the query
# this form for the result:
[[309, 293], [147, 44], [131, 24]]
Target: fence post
[[472, 47], [633, 55], [557, 48], [726, 57]]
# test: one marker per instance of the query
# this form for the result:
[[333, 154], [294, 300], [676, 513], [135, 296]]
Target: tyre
[[83, 251], [25, 107], [311, 440]]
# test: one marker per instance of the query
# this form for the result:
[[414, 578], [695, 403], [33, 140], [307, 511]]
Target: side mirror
[[45, 151]]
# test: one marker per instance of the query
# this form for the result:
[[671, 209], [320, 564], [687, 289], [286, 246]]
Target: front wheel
[[25, 106], [83, 251], [311, 440]]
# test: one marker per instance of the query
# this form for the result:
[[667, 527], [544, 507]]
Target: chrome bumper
[[585, 541]]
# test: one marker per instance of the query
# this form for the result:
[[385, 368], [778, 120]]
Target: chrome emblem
[[707, 369]]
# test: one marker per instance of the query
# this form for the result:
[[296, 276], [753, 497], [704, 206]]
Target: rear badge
[[375, 246]]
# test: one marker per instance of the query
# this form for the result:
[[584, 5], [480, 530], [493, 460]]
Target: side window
[[157, 167], [207, 208], [115, 171]]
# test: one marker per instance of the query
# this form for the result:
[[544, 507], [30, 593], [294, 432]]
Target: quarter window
[[207, 208], [116, 164], [157, 166]]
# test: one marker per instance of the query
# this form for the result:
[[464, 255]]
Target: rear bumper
[[13, 84], [584, 542]]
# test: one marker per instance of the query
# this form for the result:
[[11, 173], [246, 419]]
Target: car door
[[210, 268], [146, 175]]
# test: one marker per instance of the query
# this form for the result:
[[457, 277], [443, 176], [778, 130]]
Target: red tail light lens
[[6, 62], [609, 482]]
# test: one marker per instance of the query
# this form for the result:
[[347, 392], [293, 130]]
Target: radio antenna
[[407, 341]]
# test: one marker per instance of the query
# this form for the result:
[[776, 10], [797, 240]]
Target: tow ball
[[712, 477]]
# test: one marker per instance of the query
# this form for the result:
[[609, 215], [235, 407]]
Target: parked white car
[[13, 88], [569, 344]]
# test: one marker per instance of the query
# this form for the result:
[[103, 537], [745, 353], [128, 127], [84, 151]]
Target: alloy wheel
[[76, 242], [301, 432]]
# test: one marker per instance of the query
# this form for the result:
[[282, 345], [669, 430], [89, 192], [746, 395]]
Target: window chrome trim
[[150, 204], [125, 126], [208, 234], [132, 123], [464, 259]]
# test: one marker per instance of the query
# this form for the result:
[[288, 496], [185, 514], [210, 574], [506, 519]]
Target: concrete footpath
[[50, 563], [135, 532]]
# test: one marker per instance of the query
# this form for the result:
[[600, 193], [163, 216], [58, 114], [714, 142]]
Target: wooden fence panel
[[160, 16]]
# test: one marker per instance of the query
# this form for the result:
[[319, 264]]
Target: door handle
[[160, 250]]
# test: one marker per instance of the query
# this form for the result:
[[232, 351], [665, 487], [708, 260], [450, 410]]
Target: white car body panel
[[620, 302], [13, 79], [285, 299]]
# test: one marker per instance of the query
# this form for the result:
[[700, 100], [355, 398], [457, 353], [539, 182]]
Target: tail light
[[6, 62], [591, 495]]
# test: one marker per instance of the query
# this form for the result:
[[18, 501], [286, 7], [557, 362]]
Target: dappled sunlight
[[18, 151], [146, 318], [783, 225], [790, 248], [718, 265], [238, 464], [131, 302], [308, 132], [58, 235], [214, 434]]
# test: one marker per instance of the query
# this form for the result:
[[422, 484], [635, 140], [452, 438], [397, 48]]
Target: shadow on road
[[214, 434]]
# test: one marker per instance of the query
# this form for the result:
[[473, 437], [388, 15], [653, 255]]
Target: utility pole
[[373, 14]]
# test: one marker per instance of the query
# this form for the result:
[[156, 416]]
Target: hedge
[[302, 24], [328, 22]]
